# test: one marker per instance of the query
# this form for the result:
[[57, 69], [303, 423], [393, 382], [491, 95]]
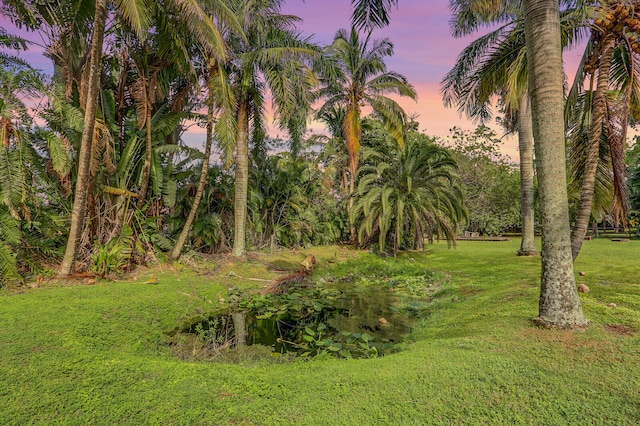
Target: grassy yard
[[94, 353]]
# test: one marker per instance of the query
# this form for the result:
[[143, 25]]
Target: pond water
[[346, 320], [370, 311]]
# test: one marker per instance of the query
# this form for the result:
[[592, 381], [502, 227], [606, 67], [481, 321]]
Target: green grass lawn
[[75, 353]]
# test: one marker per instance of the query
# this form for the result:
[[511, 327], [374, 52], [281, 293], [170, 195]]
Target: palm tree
[[84, 156], [495, 64], [66, 23], [358, 76], [409, 191], [559, 302], [210, 78], [269, 56], [610, 61]]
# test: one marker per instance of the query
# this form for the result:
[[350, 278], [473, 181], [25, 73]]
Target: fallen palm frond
[[282, 285]]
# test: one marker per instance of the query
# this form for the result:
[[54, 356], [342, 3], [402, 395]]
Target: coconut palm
[[495, 64], [358, 77], [271, 56], [599, 116], [559, 302], [408, 193]]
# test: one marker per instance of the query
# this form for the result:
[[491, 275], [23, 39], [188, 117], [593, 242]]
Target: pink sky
[[424, 52]]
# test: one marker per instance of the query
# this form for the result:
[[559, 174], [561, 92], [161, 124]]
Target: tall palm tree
[[408, 191], [599, 122], [77, 57], [271, 56], [211, 73], [559, 304], [495, 64], [357, 77], [84, 156]]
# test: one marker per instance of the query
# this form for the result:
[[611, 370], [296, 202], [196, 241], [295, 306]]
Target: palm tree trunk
[[122, 206], [352, 190], [599, 110], [120, 94], [351, 128], [242, 180], [525, 146], [559, 304], [146, 167], [345, 181], [182, 238], [84, 156]]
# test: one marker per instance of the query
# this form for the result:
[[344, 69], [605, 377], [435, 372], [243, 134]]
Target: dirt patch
[[620, 329], [468, 291], [226, 395], [572, 340]]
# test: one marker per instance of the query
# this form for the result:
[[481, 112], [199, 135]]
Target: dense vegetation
[[99, 179]]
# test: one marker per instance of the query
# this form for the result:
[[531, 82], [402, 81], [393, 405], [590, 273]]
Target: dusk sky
[[424, 52]]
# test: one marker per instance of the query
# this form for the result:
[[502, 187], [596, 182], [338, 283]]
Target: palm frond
[[136, 13], [371, 13]]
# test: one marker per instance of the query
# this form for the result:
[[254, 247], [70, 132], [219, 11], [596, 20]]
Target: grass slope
[[72, 353]]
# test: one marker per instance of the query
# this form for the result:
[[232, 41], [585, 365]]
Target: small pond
[[346, 319]]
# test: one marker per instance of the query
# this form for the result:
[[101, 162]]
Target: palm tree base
[[577, 325], [528, 252]]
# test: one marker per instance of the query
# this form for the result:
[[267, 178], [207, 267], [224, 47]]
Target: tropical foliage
[[406, 194], [289, 206], [269, 55], [99, 171], [490, 181], [633, 161], [354, 76], [599, 112], [371, 13]]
